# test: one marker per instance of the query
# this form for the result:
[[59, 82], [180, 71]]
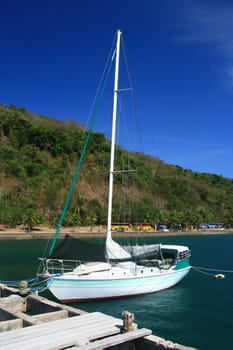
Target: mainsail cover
[[71, 248], [116, 252], [143, 251], [113, 251]]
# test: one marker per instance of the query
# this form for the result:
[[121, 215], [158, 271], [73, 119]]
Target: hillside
[[38, 156]]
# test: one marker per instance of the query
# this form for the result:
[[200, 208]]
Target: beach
[[45, 232]]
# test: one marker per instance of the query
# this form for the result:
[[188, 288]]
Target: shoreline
[[97, 232]]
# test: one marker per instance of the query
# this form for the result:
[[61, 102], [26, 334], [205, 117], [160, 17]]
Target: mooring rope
[[33, 285], [15, 283], [217, 273], [41, 286]]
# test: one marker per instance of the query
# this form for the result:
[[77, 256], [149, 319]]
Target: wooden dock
[[33, 322], [76, 331]]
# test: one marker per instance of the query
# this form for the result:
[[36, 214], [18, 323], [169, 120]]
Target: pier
[[32, 322]]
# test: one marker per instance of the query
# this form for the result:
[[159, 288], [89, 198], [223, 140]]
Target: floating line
[[211, 272]]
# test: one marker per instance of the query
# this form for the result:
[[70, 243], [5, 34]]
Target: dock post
[[128, 318], [23, 288]]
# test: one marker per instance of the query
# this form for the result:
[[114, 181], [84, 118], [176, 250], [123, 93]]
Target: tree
[[10, 216], [31, 218]]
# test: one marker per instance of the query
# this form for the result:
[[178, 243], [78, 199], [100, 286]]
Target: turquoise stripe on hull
[[182, 264]]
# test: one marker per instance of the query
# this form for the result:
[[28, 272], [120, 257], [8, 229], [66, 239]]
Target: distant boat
[[124, 270]]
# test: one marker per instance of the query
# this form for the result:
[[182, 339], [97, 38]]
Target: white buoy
[[219, 276]]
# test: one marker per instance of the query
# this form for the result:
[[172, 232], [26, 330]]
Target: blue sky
[[180, 55]]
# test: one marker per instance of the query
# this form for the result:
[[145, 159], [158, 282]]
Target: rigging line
[[122, 111], [90, 115], [109, 58], [124, 211], [132, 95], [93, 110], [77, 170], [44, 253], [122, 115], [126, 64]]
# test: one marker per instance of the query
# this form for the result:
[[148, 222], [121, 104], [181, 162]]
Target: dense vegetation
[[38, 156]]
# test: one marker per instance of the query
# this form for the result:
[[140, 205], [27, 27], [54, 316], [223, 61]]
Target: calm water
[[198, 312]]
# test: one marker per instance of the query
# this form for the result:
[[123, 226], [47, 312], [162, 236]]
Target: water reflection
[[163, 312]]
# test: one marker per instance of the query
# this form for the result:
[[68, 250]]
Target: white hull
[[73, 288]]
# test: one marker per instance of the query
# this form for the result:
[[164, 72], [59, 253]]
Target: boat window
[[185, 254]]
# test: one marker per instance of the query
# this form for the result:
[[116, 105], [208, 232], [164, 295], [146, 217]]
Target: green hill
[[38, 156]]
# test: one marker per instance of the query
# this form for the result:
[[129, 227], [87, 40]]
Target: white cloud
[[211, 24]]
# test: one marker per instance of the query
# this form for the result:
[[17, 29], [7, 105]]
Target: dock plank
[[115, 340], [61, 333], [84, 322], [67, 324]]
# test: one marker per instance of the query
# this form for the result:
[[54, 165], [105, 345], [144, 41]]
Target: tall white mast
[[114, 114]]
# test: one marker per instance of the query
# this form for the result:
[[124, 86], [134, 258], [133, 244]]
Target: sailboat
[[124, 270]]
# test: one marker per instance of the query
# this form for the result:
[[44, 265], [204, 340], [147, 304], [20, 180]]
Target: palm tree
[[31, 218]]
